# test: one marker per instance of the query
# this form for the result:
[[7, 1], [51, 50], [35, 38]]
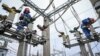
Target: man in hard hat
[[86, 23], [25, 19]]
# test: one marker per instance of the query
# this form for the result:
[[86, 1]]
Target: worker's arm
[[85, 26], [21, 17]]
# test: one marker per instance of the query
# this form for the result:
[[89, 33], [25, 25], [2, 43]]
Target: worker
[[86, 23], [25, 19]]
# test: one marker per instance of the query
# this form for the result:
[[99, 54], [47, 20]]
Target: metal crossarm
[[76, 44], [62, 7], [83, 42], [14, 32], [9, 36]]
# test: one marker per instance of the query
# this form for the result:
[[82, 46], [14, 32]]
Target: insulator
[[4, 17], [42, 41], [28, 36], [44, 27], [40, 27], [34, 32], [7, 24], [18, 11], [61, 33], [13, 8], [35, 44], [5, 7]]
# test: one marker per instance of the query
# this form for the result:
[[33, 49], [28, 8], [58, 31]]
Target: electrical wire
[[75, 14], [56, 26], [71, 17], [54, 19], [58, 17], [95, 46], [46, 8], [61, 19], [64, 22], [97, 49], [12, 48]]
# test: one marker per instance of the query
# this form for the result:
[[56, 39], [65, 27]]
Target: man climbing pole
[[86, 23], [25, 19]]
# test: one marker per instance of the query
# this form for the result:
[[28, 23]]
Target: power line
[[97, 49], [70, 17], [54, 19], [95, 46], [46, 8], [61, 19]]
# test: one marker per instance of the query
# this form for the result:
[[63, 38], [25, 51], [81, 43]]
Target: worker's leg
[[19, 28], [87, 33]]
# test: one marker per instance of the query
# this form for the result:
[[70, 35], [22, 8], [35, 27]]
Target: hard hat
[[92, 20], [26, 10]]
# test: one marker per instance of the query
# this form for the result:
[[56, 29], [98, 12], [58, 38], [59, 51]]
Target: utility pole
[[90, 50], [83, 50], [23, 46], [22, 49], [82, 45], [89, 47], [46, 34]]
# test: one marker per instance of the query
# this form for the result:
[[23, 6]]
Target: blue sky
[[84, 10]]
